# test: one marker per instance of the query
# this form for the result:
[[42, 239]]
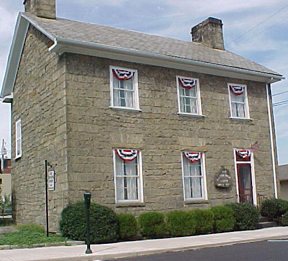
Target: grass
[[29, 235]]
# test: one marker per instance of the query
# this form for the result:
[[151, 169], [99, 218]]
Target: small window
[[238, 101], [188, 96], [18, 140], [193, 172], [128, 178], [124, 88]]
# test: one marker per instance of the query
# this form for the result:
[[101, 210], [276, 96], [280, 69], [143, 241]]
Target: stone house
[[142, 122]]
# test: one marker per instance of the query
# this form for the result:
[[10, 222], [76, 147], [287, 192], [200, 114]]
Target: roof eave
[[14, 56], [61, 46]]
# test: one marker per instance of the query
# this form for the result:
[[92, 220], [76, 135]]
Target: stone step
[[263, 219], [266, 224]]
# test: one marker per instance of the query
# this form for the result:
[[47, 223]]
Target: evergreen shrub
[[127, 226], [103, 223], [152, 225], [246, 216], [180, 223], [274, 208], [284, 219], [223, 219], [204, 219]]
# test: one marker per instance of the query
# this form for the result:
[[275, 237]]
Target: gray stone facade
[[64, 106]]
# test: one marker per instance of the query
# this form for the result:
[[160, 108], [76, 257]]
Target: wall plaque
[[223, 179]]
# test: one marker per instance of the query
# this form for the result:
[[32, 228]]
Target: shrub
[[274, 208], [180, 223], [152, 224], [204, 219], [103, 223], [223, 219], [284, 219], [127, 226], [246, 216]]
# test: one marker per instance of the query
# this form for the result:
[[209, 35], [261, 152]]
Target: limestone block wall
[[39, 101], [160, 133]]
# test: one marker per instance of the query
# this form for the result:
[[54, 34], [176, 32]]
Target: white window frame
[[18, 139], [251, 162], [245, 103], [139, 178], [204, 182], [197, 97], [135, 90]]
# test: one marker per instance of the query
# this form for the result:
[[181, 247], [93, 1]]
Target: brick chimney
[[41, 8], [209, 33]]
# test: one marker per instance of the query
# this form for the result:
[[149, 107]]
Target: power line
[[279, 93], [276, 104], [262, 22]]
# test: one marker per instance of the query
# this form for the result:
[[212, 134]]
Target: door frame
[[251, 162]]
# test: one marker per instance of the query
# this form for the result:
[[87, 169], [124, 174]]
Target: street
[[274, 250]]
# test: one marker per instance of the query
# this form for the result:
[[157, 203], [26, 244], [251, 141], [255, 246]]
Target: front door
[[244, 173]]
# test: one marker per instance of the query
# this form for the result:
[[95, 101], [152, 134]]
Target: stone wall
[[160, 133], [39, 101]]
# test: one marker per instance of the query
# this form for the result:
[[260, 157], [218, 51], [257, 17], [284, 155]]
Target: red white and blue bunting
[[237, 89], [187, 83], [123, 75], [244, 154], [126, 154], [192, 156]]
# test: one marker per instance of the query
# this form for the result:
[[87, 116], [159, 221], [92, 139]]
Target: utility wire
[[262, 22], [279, 93], [276, 104]]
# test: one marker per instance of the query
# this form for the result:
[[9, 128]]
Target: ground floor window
[[193, 173], [127, 173]]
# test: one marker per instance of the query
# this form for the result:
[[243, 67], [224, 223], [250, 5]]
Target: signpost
[[87, 199]]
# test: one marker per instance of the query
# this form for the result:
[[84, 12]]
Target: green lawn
[[28, 235]]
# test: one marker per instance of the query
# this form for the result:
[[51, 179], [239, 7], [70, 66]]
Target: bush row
[[106, 226], [275, 210]]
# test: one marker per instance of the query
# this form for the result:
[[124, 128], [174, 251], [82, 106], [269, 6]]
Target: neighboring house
[[283, 178], [142, 122], [5, 177]]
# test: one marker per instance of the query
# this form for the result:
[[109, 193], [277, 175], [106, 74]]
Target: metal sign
[[51, 180]]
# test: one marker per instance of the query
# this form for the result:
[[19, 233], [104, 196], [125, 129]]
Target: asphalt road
[[276, 250]]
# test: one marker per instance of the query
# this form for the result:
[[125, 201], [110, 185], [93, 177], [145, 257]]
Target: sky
[[255, 29]]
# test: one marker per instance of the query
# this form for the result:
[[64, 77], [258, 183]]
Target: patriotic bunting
[[237, 90], [187, 83], [192, 156], [123, 75], [126, 154], [244, 154]]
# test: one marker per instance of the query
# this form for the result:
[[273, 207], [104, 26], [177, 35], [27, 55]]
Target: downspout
[[268, 94]]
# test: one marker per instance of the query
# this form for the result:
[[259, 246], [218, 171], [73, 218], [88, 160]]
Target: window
[[124, 88], [194, 181], [188, 96], [18, 139], [238, 101], [245, 176], [127, 172]]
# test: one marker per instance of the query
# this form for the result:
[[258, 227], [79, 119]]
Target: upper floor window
[[18, 141], [124, 88], [193, 172], [188, 95], [128, 178], [238, 101]]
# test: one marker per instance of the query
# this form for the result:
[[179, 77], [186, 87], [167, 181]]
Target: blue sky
[[257, 30]]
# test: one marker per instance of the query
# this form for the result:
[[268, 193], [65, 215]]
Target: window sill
[[125, 109], [240, 119], [129, 204], [17, 157], [191, 115], [196, 201]]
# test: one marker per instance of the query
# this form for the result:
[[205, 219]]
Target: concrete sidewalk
[[134, 248]]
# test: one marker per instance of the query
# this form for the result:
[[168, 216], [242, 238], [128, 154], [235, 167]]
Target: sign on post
[[51, 180]]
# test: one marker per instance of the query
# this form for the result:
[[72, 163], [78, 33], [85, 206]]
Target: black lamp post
[[87, 199]]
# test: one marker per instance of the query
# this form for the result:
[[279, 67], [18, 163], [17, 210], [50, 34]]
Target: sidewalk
[[134, 248]]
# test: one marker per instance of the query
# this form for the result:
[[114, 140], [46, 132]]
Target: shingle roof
[[144, 43]]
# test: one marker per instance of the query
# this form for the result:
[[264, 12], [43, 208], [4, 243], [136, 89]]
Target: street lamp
[[87, 199]]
